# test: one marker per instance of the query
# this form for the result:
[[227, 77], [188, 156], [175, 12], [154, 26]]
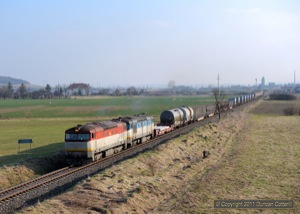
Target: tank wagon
[[185, 115], [172, 117], [188, 115], [177, 117]]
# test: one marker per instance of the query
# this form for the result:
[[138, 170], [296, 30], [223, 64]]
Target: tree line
[[8, 92], [22, 92]]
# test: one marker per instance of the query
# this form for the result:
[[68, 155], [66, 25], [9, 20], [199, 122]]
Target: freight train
[[97, 140]]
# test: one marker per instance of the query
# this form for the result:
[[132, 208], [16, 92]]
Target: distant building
[[272, 84], [78, 89], [263, 82], [297, 89]]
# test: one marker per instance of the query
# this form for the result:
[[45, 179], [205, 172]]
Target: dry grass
[[276, 107], [14, 175], [264, 164]]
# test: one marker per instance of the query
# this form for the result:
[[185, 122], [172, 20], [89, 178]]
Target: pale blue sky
[[139, 42]]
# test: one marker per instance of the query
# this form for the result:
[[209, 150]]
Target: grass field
[[101, 107], [47, 136], [45, 121]]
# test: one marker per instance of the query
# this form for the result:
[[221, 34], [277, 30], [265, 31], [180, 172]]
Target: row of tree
[[8, 92]]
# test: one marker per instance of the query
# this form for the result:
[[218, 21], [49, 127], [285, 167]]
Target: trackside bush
[[289, 111], [280, 96]]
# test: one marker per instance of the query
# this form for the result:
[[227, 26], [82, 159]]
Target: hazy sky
[[147, 42]]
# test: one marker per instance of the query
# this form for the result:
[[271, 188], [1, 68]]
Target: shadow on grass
[[41, 160]]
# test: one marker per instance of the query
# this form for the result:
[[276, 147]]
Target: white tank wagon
[[172, 117], [188, 115]]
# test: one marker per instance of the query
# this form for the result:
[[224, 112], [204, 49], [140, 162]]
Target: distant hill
[[14, 81]]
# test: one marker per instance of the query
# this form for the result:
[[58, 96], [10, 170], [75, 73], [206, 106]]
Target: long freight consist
[[97, 140]]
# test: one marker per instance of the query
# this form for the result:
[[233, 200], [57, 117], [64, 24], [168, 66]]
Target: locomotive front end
[[78, 142]]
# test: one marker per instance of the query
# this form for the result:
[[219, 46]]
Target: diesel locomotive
[[100, 139]]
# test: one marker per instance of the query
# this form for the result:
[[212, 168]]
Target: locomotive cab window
[[71, 136], [83, 137], [78, 137]]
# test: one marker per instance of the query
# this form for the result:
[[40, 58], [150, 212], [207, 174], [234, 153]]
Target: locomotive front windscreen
[[77, 137]]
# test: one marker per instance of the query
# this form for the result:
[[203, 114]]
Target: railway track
[[19, 189], [55, 182]]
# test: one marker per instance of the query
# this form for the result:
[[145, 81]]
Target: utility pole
[[218, 102], [219, 85], [294, 77]]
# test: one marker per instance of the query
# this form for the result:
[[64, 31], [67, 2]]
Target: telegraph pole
[[219, 85], [218, 102]]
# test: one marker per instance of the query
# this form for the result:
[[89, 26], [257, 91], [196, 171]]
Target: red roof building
[[79, 89]]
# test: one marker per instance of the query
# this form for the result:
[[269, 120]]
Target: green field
[[99, 107], [44, 121]]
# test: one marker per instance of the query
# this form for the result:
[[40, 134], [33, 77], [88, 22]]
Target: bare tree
[[219, 96], [171, 86], [131, 91], [117, 92], [58, 91]]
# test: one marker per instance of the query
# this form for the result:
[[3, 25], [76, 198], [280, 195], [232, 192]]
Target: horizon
[[141, 85]]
